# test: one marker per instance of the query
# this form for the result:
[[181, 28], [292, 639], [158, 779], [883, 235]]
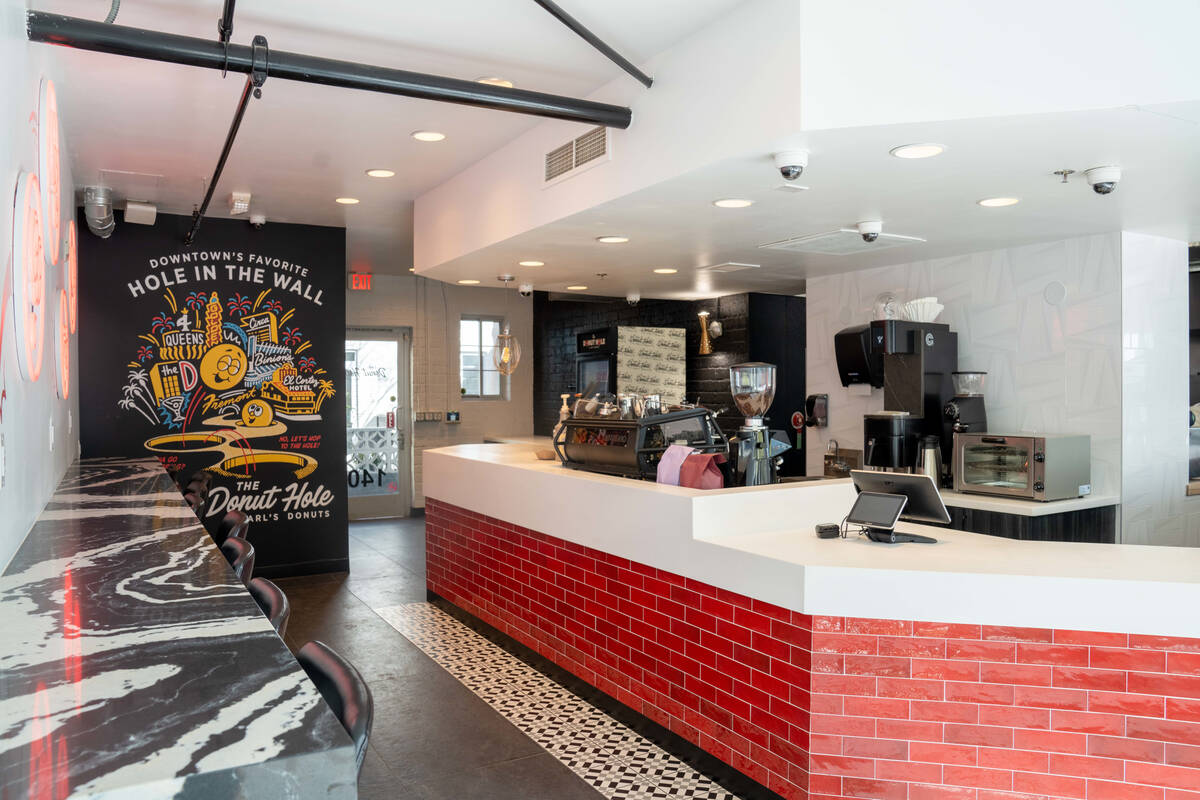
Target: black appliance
[[891, 441], [596, 362], [633, 447], [914, 363], [859, 360]]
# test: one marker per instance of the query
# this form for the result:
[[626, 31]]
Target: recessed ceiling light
[[666, 271], [732, 202], [505, 82], [428, 136], [576, 288], [346, 201], [612, 239], [999, 202], [381, 173], [468, 281], [925, 150], [532, 263]]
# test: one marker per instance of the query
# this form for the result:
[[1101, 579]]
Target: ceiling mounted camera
[[633, 298], [525, 289], [1103, 180], [791, 163], [870, 230], [258, 220]]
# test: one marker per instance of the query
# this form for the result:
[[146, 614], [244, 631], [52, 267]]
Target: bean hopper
[[756, 450]]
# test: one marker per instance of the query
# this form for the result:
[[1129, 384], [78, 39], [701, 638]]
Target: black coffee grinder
[[965, 413]]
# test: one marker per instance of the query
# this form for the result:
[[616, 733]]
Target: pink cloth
[[670, 463], [701, 471]]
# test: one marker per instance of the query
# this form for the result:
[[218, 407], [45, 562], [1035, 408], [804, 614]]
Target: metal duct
[[98, 209]]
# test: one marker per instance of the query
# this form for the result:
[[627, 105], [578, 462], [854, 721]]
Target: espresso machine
[[913, 362], [755, 449]]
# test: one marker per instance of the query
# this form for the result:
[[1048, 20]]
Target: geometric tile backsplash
[[1053, 367], [1084, 335]]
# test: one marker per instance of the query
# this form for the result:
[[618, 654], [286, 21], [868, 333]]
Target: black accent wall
[[757, 327], [226, 356]]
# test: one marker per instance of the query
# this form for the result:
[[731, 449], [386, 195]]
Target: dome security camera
[[258, 220], [791, 163], [525, 289], [633, 298], [870, 230], [1103, 180]]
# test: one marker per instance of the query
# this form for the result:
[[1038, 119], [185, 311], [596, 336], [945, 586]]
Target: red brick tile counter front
[[832, 707]]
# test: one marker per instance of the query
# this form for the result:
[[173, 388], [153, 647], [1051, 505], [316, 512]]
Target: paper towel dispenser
[[858, 359]]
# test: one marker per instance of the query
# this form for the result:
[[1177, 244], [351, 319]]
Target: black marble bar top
[[133, 664]]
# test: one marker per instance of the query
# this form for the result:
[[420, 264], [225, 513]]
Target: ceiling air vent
[[728, 266], [842, 242], [566, 159]]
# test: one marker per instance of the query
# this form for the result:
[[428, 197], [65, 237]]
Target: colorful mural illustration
[[217, 372]]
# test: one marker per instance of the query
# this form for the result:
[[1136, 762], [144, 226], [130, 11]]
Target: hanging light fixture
[[507, 353]]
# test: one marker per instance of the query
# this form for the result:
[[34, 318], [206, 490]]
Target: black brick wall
[[555, 324]]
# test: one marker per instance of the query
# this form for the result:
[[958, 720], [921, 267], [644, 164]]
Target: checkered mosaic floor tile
[[619, 763]]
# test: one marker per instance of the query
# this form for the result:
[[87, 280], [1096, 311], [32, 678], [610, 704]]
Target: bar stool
[[272, 601], [240, 555], [193, 502], [343, 689], [232, 524]]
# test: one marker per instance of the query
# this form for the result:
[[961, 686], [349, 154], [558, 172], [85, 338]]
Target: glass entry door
[[378, 422]]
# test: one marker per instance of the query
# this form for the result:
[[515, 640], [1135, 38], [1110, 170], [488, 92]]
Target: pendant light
[[507, 353]]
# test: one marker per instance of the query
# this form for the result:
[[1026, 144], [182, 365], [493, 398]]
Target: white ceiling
[[852, 178], [302, 145]]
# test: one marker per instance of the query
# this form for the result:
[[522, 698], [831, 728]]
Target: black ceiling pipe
[[225, 23], [120, 40], [594, 40]]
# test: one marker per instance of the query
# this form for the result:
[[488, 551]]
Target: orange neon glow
[[49, 170], [64, 346], [72, 275], [30, 278]]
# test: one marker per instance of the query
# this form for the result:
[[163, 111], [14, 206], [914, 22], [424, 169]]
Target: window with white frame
[[478, 375]]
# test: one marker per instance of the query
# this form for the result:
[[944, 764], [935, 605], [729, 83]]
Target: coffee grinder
[[965, 412], [755, 449]]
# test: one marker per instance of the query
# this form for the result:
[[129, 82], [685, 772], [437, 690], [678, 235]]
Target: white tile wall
[[432, 309], [1051, 368]]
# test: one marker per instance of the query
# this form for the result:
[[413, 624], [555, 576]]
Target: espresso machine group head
[[755, 449]]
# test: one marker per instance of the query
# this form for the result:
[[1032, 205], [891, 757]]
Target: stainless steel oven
[[1026, 466]]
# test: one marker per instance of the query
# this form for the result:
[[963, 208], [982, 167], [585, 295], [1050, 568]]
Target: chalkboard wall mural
[[226, 356]]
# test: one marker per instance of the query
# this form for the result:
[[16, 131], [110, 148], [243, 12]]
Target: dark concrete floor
[[433, 739]]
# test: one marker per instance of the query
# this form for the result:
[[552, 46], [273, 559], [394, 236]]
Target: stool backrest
[[272, 601], [343, 689], [233, 523], [240, 555]]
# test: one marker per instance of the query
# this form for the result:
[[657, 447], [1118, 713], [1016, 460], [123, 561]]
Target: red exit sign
[[360, 281]]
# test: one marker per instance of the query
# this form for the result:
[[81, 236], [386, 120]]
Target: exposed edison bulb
[[507, 353]]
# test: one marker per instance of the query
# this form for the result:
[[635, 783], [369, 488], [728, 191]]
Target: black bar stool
[[240, 555], [232, 524], [343, 689], [272, 601]]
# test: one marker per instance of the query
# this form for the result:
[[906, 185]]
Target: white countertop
[[760, 542], [1027, 508]]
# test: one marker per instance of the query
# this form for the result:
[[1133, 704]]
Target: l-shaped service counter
[[844, 668]]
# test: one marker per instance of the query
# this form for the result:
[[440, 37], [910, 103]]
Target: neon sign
[[29, 277], [49, 170]]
